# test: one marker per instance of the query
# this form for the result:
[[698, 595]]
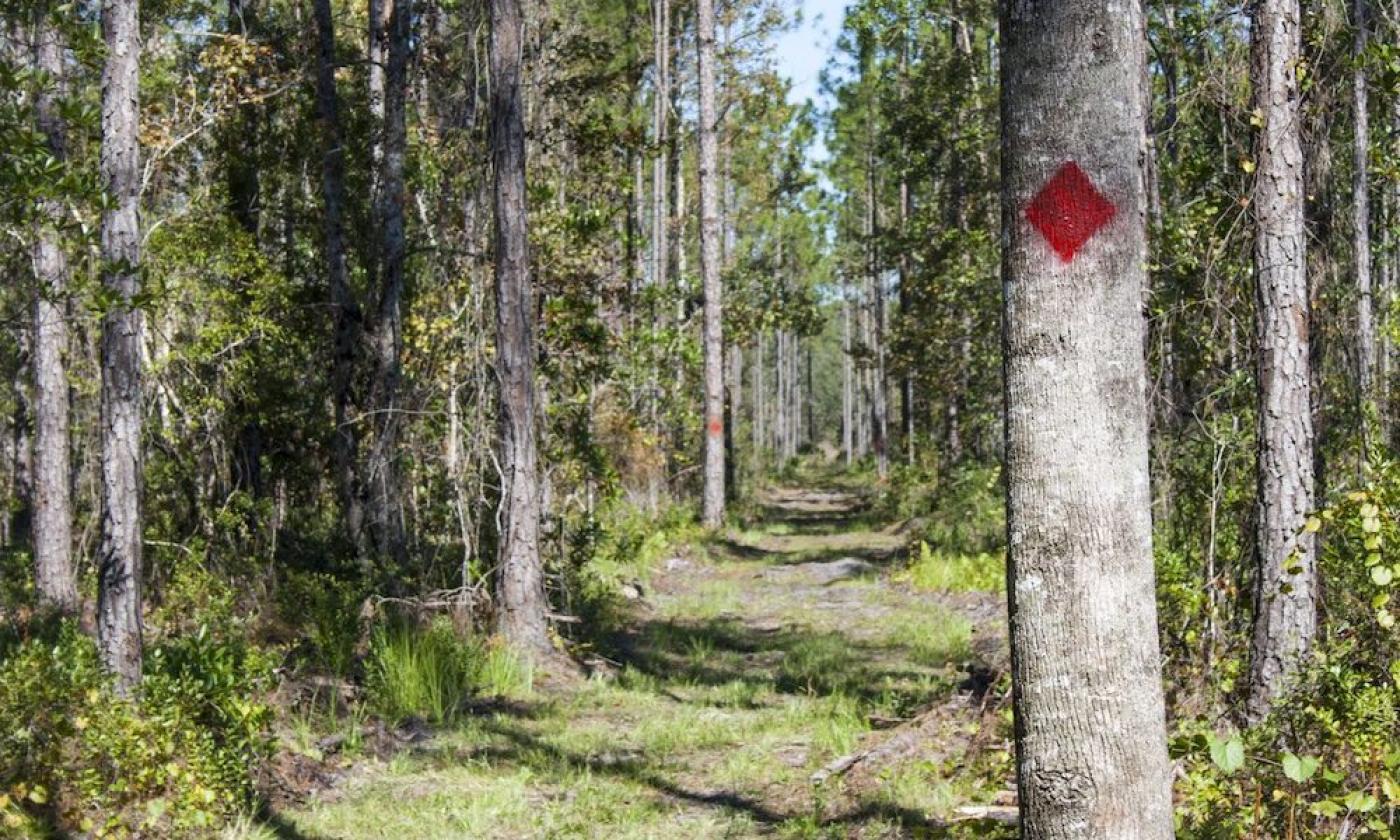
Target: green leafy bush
[[619, 545], [178, 762], [1326, 762], [961, 511], [325, 608]]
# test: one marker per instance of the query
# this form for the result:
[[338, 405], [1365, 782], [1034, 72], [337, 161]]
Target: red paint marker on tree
[[1069, 210], [715, 427]]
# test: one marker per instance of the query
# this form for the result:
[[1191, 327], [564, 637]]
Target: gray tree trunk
[[344, 307], [53, 510], [661, 106], [879, 415], [19, 525], [377, 54], [522, 610], [382, 467], [1090, 723], [119, 553], [847, 377], [712, 509], [1361, 209], [1285, 618]]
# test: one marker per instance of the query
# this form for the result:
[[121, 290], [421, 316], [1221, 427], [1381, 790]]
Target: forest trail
[[776, 681]]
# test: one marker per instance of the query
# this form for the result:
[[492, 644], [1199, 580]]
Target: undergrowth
[[178, 761], [429, 672]]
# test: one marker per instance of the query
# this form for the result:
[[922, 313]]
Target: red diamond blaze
[[1069, 210]]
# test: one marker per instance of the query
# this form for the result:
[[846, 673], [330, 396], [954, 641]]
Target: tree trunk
[[906, 381], [522, 608], [847, 375], [712, 512], [879, 425], [119, 555], [1361, 212], [810, 401], [759, 400], [53, 510], [661, 104], [780, 383], [1090, 722], [344, 307], [382, 467], [20, 523], [1285, 616], [378, 50]]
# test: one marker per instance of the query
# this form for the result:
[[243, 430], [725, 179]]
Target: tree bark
[[1090, 722], [522, 610], [1285, 616], [712, 510], [53, 510], [344, 307], [20, 523], [1361, 210], [382, 467], [847, 377], [661, 104], [759, 401], [879, 419], [119, 554]]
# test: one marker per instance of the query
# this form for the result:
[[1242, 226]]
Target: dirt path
[[784, 680]]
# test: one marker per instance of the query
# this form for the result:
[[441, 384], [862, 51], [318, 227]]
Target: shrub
[[179, 762], [1325, 763], [325, 607], [961, 511], [941, 571]]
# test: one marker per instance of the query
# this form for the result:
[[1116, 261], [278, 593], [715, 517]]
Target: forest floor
[[788, 680]]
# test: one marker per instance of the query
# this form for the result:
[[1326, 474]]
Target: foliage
[[941, 571], [325, 610], [431, 672], [958, 510], [179, 761], [1327, 757]]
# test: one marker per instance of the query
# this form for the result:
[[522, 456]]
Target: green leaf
[[1299, 769], [1327, 808], [1390, 789], [1227, 753], [1360, 801]]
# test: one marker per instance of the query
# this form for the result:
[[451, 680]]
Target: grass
[[427, 672], [733, 692], [937, 571]]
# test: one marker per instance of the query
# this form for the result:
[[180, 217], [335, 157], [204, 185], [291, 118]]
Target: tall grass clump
[[430, 671]]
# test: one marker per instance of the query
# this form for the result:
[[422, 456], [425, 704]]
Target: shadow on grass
[[281, 828], [525, 749], [879, 555], [794, 661]]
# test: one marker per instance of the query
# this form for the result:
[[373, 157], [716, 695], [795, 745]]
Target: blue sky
[[802, 52]]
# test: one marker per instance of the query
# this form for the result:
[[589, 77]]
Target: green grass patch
[[939, 571], [428, 672]]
